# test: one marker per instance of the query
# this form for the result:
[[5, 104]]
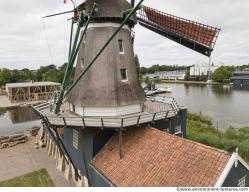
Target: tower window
[[123, 73], [121, 46]]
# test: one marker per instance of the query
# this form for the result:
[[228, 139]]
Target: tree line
[[44, 73], [56, 74], [154, 68]]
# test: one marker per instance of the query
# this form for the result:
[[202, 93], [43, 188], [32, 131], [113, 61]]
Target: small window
[[242, 182], [82, 63], [75, 139], [73, 108], [121, 46], [84, 39], [123, 73]]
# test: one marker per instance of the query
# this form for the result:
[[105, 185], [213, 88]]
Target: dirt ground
[[24, 158]]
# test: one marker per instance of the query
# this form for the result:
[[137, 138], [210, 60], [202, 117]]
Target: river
[[225, 104], [18, 120]]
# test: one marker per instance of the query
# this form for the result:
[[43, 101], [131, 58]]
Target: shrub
[[201, 129]]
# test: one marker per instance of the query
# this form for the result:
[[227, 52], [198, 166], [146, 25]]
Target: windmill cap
[[109, 10]]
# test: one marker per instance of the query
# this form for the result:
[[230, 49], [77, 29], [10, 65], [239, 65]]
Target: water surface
[[18, 120], [227, 105]]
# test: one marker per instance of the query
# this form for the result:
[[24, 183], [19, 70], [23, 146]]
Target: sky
[[28, 41]]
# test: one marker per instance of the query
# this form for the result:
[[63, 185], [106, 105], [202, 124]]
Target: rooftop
[[241, 72], [31, 84], [240, 77], [155, 158]]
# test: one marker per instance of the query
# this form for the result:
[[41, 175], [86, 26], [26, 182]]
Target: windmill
[[106, 92]]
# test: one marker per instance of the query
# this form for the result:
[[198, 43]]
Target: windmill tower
[[106, 96], [111, 87]]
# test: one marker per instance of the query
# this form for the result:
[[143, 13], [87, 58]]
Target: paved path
[[24, 158]]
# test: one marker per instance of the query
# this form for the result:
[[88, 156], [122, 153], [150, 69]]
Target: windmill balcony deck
[[155, 108]]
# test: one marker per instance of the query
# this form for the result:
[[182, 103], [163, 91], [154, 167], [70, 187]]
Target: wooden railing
[[109, 122]]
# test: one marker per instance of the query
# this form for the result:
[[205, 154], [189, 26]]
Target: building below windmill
[[155, 158], [151, 158]]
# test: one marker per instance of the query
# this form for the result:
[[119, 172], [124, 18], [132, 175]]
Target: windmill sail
[[193, 35]]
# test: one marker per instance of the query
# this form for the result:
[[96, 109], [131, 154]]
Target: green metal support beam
[[73, 56], [103, 48], [62, 13], [68, 68], [71, 38], [75, 40]]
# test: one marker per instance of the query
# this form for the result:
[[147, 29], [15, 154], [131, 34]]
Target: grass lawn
[[201, 129], [39, 178]]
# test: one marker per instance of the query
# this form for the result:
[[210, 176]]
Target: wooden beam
[[121, 153]]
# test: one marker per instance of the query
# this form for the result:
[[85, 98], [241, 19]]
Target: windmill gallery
[[104, 131]]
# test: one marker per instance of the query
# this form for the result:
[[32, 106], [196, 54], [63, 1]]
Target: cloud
[[23, 42]]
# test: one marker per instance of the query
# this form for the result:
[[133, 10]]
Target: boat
[[158, 91]]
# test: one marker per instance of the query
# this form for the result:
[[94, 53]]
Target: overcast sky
[[28, 42]]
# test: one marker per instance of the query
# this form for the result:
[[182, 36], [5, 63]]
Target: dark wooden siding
[[99, 180], [86, 141], [235, 174]]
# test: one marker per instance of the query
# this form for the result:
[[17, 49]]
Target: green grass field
[[201, 129], [39, 178]]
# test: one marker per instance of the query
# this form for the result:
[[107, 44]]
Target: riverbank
[[193, 82], [158, 81], [201, 129]]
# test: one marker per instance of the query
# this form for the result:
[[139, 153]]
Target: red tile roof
[[155, 158]]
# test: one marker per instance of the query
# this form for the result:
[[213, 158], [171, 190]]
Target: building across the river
[[240, 78], [31, 91], [167, 75], [201, 68]]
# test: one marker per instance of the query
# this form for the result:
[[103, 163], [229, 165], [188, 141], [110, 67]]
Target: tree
[[137, 63], [15, 76], [26, 75], [223, 73], [5, 76], [187, 75], [51, 75], [61, 72], [143, 70], [157, 67], [147, 80], [43, 69], [202, 77]]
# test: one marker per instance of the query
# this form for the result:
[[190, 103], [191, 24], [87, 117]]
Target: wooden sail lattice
[[193, 35]]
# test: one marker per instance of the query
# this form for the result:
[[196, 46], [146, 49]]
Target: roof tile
[[155, 158]]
